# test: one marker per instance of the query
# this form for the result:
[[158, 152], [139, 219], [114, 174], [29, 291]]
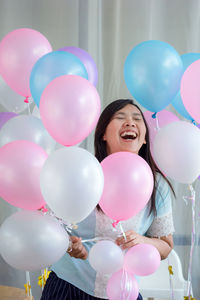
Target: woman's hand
[[163, 244], [77, 249], [132, 239]]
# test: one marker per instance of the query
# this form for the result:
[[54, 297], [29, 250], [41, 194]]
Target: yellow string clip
[[170, 270], [40, 281], [187, 298], [27, 288], [43, 278]]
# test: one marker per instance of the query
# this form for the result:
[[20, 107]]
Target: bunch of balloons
[[62, 84], [123, 197], [157, 76], [107, 258], [70, 180]]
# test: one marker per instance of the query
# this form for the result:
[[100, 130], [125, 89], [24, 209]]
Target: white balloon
[[32, 241], [176, 151], [11, 100], [72, 183], [106, 257], [28, 128]]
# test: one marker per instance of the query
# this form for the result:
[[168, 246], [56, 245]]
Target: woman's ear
[[104, 138]]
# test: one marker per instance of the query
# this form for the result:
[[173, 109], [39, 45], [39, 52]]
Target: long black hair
[[144, 152]]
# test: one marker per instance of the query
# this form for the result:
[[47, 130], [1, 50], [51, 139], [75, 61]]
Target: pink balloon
[[190, 90], [20, 166], [164, 117], [19, 51], [142, 260], [69, 109], [122, 285], [125, 175]]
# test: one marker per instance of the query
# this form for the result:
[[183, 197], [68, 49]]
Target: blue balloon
[[152, 72], [188, 59], [179, 106], [177, 103], [50, 66]]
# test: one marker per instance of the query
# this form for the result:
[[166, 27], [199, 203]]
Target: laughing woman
[[121, 127]]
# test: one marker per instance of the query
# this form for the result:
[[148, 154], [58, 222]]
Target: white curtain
[[108, 30]]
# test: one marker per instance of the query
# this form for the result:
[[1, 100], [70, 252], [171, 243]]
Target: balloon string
[[29, 111], [68, 226], [126, 286], [114, 224], [155, 116], [170, 278], [42, 279], [157, 124], [189, 287], [123, 286], [96, 239], [122, 231], [26, 100], [28, 285]]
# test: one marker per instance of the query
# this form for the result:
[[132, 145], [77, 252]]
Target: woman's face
[[126, 131]]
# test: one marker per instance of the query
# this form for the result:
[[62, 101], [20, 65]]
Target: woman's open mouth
[[128, 135]]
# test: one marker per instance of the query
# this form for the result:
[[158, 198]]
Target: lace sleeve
[[161, 226]]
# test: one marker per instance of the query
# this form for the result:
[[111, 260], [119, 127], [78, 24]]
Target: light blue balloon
[[152, 72], [177, 103], [188, 59], [50, 66]]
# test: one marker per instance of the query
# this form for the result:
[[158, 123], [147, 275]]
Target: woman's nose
[[129, 122]]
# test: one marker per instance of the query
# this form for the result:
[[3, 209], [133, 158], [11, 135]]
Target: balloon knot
[[193, 122], [154, 115], [114, 224], [44, 209], [26, 99]]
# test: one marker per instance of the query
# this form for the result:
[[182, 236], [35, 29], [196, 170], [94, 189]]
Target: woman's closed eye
[[119, 118], [137, 119]]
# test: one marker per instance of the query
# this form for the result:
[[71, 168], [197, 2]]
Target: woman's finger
[[122, 240], [128, 245]]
